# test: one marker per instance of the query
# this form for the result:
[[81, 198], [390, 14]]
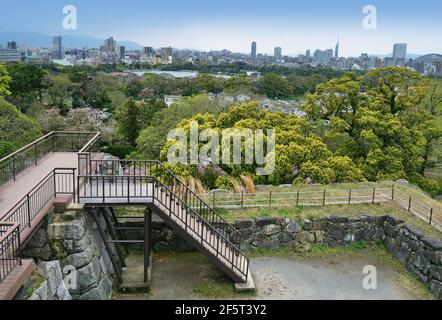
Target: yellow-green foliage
[[298, 155]]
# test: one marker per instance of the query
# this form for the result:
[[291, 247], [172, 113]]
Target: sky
[[294, 25]]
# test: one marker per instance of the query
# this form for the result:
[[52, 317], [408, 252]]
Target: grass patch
[[317, 250], [221, 288], [36, 282], [192, 257], [406, 279]]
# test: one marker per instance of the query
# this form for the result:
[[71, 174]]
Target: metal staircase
[[151, 184]]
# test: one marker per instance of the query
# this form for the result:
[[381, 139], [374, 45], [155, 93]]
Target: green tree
[[27, 84], [274, 86], [16, 129], [387, 121], [5, 81]]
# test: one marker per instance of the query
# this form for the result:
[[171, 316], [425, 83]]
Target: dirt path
[[333, 277]]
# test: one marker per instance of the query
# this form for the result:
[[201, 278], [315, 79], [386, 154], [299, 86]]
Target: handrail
[[14, 164], [153, 194], [9, 248], [211, 228], [41, 139], [182, 185], [92, 141]]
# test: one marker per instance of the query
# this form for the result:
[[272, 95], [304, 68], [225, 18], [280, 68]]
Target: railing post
[[297, 198], [73, 184], [54, 175], [431, 217], [392, 192], [349, 196], [325, 194], [213, 199], [242, 199], [374, 195], [409, 205], [29, 209], [103, 189], [35, 154], [13, 167], [270, 199], [128, 189]]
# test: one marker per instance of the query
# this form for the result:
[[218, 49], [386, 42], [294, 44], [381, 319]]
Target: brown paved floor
[[14, 191]]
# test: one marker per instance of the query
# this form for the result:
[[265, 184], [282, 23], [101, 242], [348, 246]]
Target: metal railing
[[58, 181], [154, 168], [9, 248], [30, 155], [327, 196], [198, 219]]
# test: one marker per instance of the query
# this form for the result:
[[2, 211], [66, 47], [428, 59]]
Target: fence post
[[392, 192], [325, 193], [374, 196], [270, 199], [29, 210], [349, 196], [297, 198], [242, 199], [213, 198], [431, 216], [35, 154], [13, 167], [409, 205]]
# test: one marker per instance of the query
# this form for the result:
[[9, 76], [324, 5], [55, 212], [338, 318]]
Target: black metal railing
[[30, 155], [9, 248], [58, 181], [198, 218], [200, 226], [157, 169]]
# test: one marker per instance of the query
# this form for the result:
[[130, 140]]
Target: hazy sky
[[233, 24]]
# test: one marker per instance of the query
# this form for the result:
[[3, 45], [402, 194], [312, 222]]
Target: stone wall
[[68, 242], [72, 239], [420, 254], [164, 238]]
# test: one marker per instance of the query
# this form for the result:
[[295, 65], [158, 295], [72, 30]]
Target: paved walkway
[[12, 192]]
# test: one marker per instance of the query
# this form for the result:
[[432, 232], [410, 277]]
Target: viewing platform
[[67, 167]]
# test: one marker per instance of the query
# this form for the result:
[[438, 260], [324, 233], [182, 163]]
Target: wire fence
[[327, 196]]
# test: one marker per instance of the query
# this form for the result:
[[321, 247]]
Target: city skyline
[[233, 26]]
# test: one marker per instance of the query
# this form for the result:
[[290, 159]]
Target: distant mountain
[[36, 40]]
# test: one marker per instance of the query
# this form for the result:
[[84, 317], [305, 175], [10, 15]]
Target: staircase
[[150, 183]]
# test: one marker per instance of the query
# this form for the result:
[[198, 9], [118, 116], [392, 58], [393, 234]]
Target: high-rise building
[[10, 54], [166, 54], [122, 52], [278, 53], [400, 51], [12, 45], [110, 46], [337, 49], [389, 62], [57, 47], [253, 53], [148, 51], [308, 54]]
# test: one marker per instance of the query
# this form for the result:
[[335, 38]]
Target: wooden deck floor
[[13, 191]]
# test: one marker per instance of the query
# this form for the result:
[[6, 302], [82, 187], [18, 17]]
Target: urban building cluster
[[111, 52]]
